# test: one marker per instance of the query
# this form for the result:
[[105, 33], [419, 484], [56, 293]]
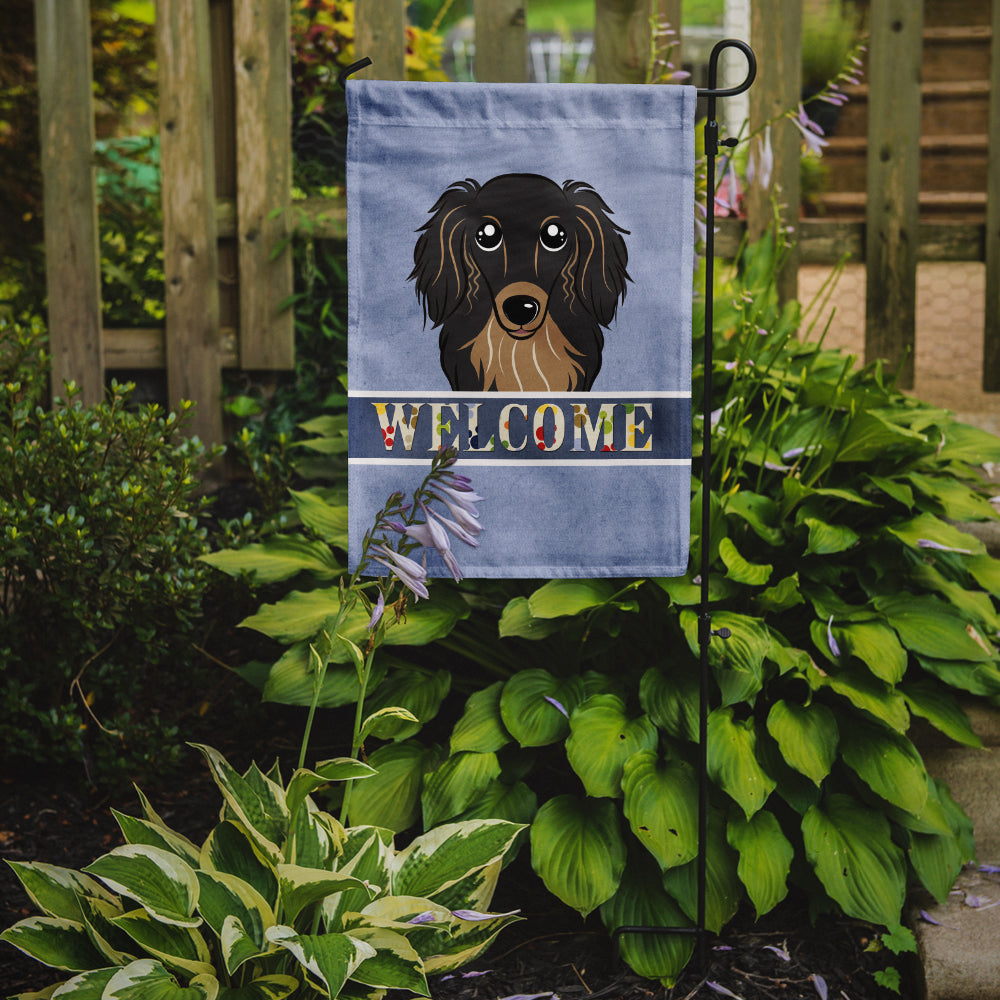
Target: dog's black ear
[[601, 270], [440, 268]]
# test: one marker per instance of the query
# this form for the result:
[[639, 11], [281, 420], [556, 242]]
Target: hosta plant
[[279, 900]]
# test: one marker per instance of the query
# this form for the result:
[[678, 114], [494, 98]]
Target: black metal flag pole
[[705, 631]]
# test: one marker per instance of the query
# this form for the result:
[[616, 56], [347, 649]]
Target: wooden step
[[947, 162], [956, 53], [957, 206]]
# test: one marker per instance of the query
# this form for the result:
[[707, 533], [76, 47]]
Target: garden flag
[[520, 262]]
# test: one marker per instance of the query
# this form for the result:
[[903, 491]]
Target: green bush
[[854, 604], [99, 540]]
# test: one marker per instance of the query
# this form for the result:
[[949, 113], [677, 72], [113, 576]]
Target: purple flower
[[761, 163], [811, 132], [427, 917], [457, 530], [465, 514], [780, 952], [719, 988], [834, 648], [558, 705], [820, 983], [475, 915], [927, 543], [377, 612], [410, 573]]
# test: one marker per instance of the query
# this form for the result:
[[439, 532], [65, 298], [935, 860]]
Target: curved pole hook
[[353, 68], [713, 69]]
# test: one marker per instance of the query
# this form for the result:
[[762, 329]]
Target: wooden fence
[[226, 161]]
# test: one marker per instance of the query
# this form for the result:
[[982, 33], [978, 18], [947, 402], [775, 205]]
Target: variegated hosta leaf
[[274, 987], [481, 727], [441, 857], [367, 853], [177, 947], [661, 799], [141, 831], [850, 847], [329, 959], [56, 891], [602, 737], [147, 979], [225, 897], [300, 887], [98, 915], [456, 784], [395, 964], [723, 889], [535, 706], [642, 902], [54, 941], [158, 880], [888, 763], [578, 851], [466, 941], [732, 760], [304, 782], [256, 801], [315, 838], [230, 849], [86, 986], [765, 858], [807, 736]]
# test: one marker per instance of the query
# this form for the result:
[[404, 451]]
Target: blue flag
[[520, 261]]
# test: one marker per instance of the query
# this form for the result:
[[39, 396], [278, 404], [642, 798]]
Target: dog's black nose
[[521, 309]]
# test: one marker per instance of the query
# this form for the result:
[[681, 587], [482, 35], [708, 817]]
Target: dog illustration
[[521, 275]]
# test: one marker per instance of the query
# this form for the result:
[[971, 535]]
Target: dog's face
[[521, 275]]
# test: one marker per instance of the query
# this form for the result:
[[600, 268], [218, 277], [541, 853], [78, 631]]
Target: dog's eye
[[552, 236], [489, 236]]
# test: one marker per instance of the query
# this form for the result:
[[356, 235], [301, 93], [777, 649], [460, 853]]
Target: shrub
[[99, 539]]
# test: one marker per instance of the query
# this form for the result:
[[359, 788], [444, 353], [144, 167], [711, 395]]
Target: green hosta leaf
[[391, 798], [932, 628], [865, 692], [937, 859], [738, 661], [765, 858], [330, 959], [275, 987], [86, 986], [517, 620], [732, 760], [301, 887], [876, 646], [783, 595], [941, 709], [928, 528], [807, 736], [304, 782], [327, 520], [387, 723], [456, 784], [54, 941], [976, 605], [578, 851], [661, 799], [415, 689], [893, 488], [481, 728], [141, 831], [641, 901], [602, 738], [739, 569], [986, 571], [438, 859], [723, 889], [180, 948], [758, 511], [159, 881], [558, 598], [869, 436], [888, 763], [850, 847], [260, 809], [291, 680], [279, 558], [395, 964], [56, 891], [827, 539], [230, 849], [957, 501], [515, 803], [147, 979], [683, 591], [528, 710], [965, 443], [671, 699], [976, 678]]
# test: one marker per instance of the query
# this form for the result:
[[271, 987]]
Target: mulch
[[552, 952]]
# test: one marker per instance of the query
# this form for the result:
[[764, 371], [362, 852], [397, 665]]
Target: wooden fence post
[[380, 34], [262, 61], [190, 251], [72, 255], [501, 41], [892, 215], [621, 40], [991, 332], [776, 35]]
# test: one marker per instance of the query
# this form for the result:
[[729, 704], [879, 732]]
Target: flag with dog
[[520, 263]]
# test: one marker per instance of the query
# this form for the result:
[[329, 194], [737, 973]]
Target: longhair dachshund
[[522, 276]]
